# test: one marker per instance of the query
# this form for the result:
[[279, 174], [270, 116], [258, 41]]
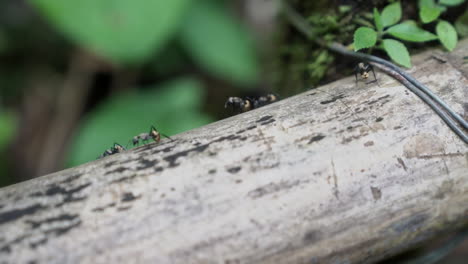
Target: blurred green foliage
[[7, 128], [131, 31], [121, 30], [172, 108], [138, 33], [218, 43]]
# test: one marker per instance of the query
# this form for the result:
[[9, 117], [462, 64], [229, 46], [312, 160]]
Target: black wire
[[411, 83], [425, 98], [336, 47]]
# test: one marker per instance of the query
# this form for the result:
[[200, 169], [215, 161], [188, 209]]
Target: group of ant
[[238, 105], [143, 138]]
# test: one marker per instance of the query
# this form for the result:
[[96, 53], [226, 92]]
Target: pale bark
[[339, 174]]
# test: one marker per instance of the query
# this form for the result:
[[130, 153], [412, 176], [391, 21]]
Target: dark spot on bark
[[197, 143], [34, 245], [229, 138], [349, 128], [212, 171], [410, 223], [125, 208], [108, 164], [379, 119], [158, 169], [55, 189], [7, 247], [147, 164], [234, 169], [100, 209], [402, 163], [376, 193], [333, 99], [445, 188], [312, 236], [240, 131], [358, 119], [72, 178], [118, 170], [163, 195], [369, 143], [127, 178], [64, 229], [267, 122], [397, 127], [60, 218], [378, 99], [271, 188], [316, 138], [128, 197], [251, 127], [69, 200], [168, 149], [14, 214], [265, 118], [314, 93], [238, 181], [172, 159]]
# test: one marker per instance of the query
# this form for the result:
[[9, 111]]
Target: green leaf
[[447, 34], [451, 2], [219, 44], [378, 20], [429, 13], [364, 37], [422, 3], [120, 30], [461, 24], [344, 8], [172, 108], [397, 52], [7, 128], [409, 31], [391, 14]]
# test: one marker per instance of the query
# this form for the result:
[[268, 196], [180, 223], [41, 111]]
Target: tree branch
[[350, 175]]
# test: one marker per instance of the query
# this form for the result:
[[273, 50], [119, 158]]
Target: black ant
[[144, 137], [363, 69], [245, 104], [117, 148]]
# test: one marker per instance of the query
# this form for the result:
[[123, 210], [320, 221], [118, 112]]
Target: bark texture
[[338, 174]]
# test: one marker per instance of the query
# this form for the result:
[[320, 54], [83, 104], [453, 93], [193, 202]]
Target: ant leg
[[167, 136], [373, 72], [355, 74]]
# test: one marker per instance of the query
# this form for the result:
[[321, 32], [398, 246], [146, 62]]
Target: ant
[[363, 69], [144, 137], [117, 148], [245, 104]]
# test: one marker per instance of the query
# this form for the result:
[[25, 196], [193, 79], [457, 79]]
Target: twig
[[416, 87]]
